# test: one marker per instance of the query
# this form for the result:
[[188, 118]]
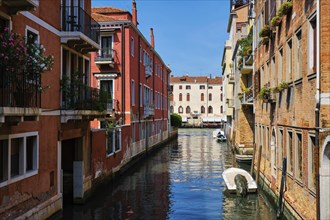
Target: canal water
[[182, 180]]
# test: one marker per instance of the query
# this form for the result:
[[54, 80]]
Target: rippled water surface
[[180, 181]]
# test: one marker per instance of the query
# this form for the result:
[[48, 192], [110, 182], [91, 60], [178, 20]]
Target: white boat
[[216, 132], [229, 178], [221, 137], [244, 158]]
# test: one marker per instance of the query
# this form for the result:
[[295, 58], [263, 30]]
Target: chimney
[[134, 13], [152, 38]]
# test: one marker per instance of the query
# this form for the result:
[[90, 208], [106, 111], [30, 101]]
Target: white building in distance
[[198, 99]]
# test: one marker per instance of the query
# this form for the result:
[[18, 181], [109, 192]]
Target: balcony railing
[[149, 110], [19, 88], [106, 56], [247, 97], [247, 66], [82, 97], [76, 19]]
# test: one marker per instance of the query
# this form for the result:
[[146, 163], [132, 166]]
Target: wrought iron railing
[[106, 54], [77, 96], [247, 97], [19, 87], [75, 18]]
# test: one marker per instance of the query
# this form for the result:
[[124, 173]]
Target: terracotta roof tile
[[195, 79], [107, 10], [99, 17]]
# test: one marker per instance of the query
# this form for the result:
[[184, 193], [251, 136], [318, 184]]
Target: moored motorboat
[[221, 137], [243, 158], [229, 179], [216, 132]]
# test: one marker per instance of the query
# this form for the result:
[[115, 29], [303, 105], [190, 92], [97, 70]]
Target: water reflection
[[181, 181]]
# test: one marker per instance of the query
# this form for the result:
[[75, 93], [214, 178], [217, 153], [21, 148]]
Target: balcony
[[148, 70], [231, 79], [79, 30], [247, 66], [15, 6], [105, 57], [247, 97], [19, 94], [149, 110], [83, 102]]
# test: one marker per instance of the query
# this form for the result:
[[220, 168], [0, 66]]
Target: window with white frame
[[272, 74], [262, 77], [267, 72], [298, 56], [280, 148], [141, 54], [141, 96], [288, 60], [133, 132], [19, 156], [299, 156], [267, 144], [113, 142], [280, 65], [133, 93], [117, 139], [289, 151], [312, 45], [132, 46], [311, 162]]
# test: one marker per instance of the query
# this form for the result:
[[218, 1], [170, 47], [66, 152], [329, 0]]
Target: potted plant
[[276, 21], [265, 31], [23, 64], [285, 8], [283, 85], [276, 89], [264, 93]]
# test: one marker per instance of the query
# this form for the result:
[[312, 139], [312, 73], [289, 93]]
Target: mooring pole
[[280, 208]]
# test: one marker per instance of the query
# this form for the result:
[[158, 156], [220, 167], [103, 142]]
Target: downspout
[[139, 80], [123, 73], [317, 109]]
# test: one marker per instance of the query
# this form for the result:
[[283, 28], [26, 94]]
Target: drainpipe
[[139, 81], [317, 110], [123, 73]]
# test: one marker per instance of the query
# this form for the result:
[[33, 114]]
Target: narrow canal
[[180, 181]]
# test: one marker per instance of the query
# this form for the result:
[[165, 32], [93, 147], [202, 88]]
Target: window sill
[[19, 178], [299, 182], [312, 191], [298, 81], [311, 76]]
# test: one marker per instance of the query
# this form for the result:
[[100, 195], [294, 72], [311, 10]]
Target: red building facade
[[131, 72]]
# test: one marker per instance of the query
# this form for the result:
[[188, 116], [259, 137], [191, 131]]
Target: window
[[272, 73], [221, 109], [288, 60], [262, 78], [312, 45], [106, 47], [133, 93], [133, 132], [32, 36], [4, 23], [221, 98], [311, 162], [117, 139], [141, 96], [210, 87], [180, 86], [107, 87], [20, 151], [110, 142], [180, 97], [289, 152], [298, 56], [210, 110], [188, 97], [280, 65], [180, 110], [171, 109], [202, 87], [298, 146], [280, 148], [202, 109], [132, 47], [267, 72], [187, 109], [210, 96], [188, 87], [141, 54], [202, 97]]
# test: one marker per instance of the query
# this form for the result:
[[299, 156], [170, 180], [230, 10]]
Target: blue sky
[[189, 35]]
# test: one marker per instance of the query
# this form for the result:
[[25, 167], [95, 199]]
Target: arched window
[[202, 96], [180, 109], [210, 109], [221, 109], [188, 109], [171, 109], [188, 96], [180, 97], [210, 97], [202, 109]]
